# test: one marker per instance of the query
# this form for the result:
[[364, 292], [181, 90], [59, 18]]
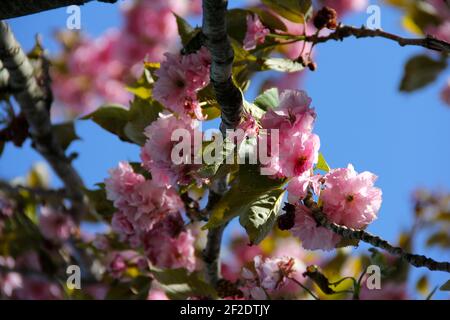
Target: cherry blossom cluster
[[344, 7], [180, 77], [156, 154], [148, 215], [14, 285], [6, 209], [92, 71], [347, 198], [298, 146], [267, 276], [256, 32], [55, 225]]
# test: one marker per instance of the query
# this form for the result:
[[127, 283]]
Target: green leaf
[[445, 286], [112, 118], [268, 99], [211, 112], [225, 149], [294, 10], [319, 279], [441, 238], [179, 284], [211, 108], [253, 109], [282, 65], [422, 285], [237, 24], [322, 164], [102, 206], [185, 30], [136, 289], [269, 20], [420, 71], [142, 88], [244, 65], [261, 215], [141, 114], [248, 186], [65, 134]]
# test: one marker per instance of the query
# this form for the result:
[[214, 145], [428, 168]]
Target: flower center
[[301, 161], [350, 198], [179, 83]]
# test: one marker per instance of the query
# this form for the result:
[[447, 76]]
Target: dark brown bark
[[17, 8]]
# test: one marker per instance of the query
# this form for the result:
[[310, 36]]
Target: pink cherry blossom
[[293, 112], [141, 203], [90, 72], [122, 183], [35, 288], [6, 207], [442, 31], [249, 125], [312, 236], [156, 154], [157, 294], [350, 198], [170, 246], [29, 260], [117, 262], [151, 21], [298, 186], [179, 80], [31, 287], [117, 265], [256, 32], [55, 225], [152, 204], [122, 225], [299, 154], [269, 275], [298, 147], [9, 281], [345, 6]]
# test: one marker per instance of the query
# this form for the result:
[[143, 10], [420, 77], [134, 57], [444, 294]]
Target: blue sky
[[362, 118]]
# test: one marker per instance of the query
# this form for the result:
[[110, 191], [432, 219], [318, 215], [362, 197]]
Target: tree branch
[[41, 193], [35, 105], [211, 253], [350, 233], [214, 29], [17, 8], [342, 32], [229, 98]]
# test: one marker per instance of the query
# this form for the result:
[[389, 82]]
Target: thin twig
[[35, 103], [343, 31], [15, 191], [349, 233], [305, 288]]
